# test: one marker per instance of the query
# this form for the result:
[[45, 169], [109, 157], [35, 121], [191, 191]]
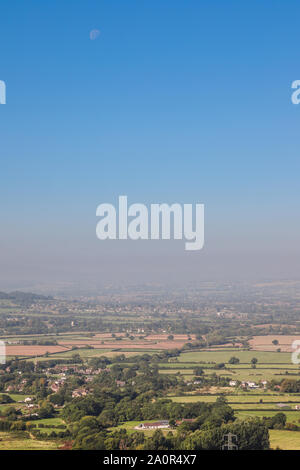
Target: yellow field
[[285, 440]]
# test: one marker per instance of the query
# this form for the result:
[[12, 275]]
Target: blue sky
[[173, 102]]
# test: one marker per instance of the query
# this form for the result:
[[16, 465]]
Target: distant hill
[[22, 297]]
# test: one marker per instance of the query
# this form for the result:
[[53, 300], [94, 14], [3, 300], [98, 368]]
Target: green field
[[83, 352], [16, 396], [16, 441], [49, 422], [270, 366], [285, 440], [242, 374], [177, 371], [242, 398], [263, 406], [291, 416], [181, 365], [244, 356]]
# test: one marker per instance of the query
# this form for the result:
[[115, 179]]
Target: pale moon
[[94, 34]]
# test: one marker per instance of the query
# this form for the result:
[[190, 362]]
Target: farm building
[[252, 385], [120, 383], [79, 392], [157, 425]]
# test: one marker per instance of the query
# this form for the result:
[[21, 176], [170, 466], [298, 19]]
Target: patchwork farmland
[[50, 373]]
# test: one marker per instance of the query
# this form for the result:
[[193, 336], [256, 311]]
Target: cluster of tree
[[45, 410], [4, 399], [59, 432], [277, 421], [290, 386], [112, 408], [39, 342], [22, 298], [250, 435]]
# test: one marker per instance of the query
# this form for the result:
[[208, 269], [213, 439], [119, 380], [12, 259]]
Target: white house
[[157, 425], [252, 385]]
